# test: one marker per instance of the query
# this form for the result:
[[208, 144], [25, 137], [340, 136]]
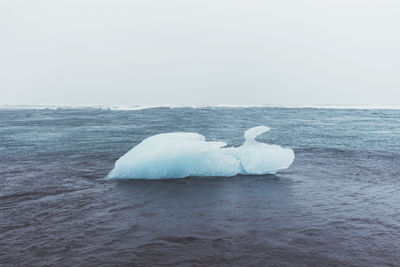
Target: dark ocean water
[[337, 205]]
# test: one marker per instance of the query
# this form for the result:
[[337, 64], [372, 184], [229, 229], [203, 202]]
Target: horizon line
[[142, 107]]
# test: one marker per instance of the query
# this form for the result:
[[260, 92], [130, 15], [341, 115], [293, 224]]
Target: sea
[[338, 204]]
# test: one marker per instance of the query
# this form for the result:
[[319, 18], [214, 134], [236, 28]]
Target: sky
[[199, 52]]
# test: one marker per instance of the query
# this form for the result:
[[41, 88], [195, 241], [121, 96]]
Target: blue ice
[[183, 154]]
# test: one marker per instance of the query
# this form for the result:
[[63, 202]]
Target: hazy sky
[[202, 52]]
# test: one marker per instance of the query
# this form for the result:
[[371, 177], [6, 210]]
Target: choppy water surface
[[338, 204]]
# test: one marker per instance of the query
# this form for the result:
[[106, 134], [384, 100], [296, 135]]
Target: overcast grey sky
[[203, 52]]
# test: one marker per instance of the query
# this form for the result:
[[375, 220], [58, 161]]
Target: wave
[[143, 107], [183, 154]]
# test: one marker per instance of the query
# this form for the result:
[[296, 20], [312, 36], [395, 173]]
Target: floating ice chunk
[[178, 155], [260, 158], [175, 155]]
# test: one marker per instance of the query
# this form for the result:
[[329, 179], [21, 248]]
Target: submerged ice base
[[178, 155]]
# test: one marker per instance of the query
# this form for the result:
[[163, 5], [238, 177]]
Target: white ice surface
[[178, 155]]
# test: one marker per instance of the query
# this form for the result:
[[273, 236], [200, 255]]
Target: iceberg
[[183, 154]]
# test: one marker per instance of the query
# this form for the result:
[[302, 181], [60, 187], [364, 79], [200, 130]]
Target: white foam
[[178, 155], [143, 107]]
